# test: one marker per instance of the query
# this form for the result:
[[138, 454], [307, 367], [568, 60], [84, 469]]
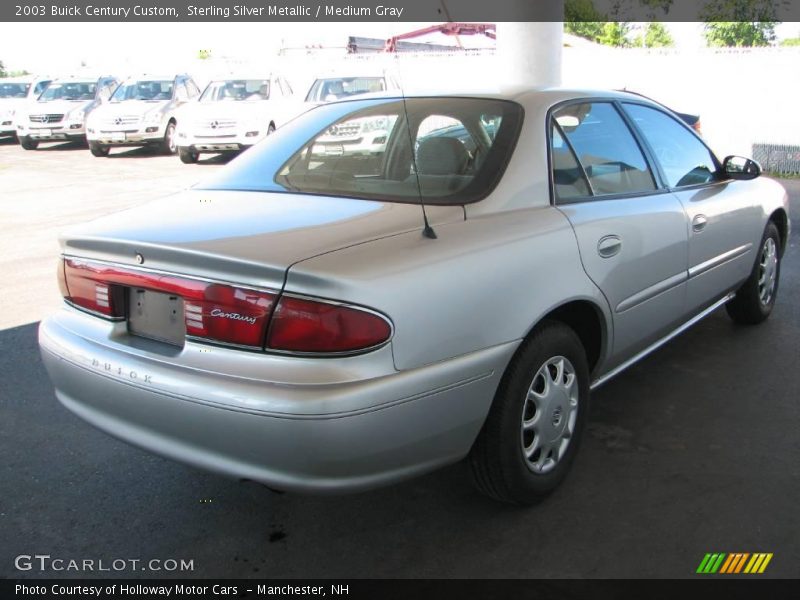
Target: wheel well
[[782, 223], [585, 320]]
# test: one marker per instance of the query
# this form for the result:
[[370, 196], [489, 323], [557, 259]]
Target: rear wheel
[[98, 149], [168, 145], [28, 143], [755, 300], [188, 156], [533, 429]]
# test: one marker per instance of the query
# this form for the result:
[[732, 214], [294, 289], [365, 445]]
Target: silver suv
[[60, 111], [141, 112]]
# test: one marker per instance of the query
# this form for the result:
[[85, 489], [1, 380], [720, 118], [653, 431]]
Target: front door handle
[[699, 223], [609, 246]]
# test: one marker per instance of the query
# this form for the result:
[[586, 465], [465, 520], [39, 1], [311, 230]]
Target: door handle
[[609, 246], [699, 223]]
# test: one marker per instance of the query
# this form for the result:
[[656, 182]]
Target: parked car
[[362, 137], [306, 322], [141, 112], [15, 93], [60, 111], [232, 114]]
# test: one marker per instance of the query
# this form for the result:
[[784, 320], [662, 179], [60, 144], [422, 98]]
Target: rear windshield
[[440, 150]]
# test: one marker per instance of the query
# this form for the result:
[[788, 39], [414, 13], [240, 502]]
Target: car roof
[[523, 95]]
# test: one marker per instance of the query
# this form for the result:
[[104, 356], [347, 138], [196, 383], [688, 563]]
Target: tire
[[28, 143], [755, 300], [168, 146], [188, 156], [523, 410], [98, 149]]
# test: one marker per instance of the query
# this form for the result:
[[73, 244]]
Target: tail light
[[303, 325], [229, 314]]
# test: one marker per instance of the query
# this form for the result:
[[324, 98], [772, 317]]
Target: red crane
[[455, 29]]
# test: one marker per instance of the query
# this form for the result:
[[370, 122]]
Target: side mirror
[[739, 167]]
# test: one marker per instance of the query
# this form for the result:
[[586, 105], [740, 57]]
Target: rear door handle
[[699, 223], [609, 246]]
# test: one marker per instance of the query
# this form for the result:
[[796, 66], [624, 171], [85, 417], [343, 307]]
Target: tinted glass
[[363, 149], [612, 159], [327, 90], [14, 90], [568, 180], [684, 159], [147, 90], [83, 90], [236, 90]]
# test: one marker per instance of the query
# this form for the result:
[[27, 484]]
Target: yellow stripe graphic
[[751, 566], [765, 563]]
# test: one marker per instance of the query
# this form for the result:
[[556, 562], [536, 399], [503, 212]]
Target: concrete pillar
[[529, 53]]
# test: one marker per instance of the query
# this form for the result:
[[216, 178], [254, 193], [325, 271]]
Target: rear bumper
[[336, 428]]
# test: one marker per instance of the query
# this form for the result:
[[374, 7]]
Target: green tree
[[739, 22], [791, 42], [3, 70], [615, 34], [655, 36]]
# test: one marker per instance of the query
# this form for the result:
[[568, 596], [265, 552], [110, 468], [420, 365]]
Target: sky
[[55, 48]]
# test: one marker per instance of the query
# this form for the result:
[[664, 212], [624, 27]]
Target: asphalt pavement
[[694, 450]]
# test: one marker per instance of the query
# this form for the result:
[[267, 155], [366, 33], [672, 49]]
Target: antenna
[[427, 231]]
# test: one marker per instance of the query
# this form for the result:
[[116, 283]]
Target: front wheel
[[168, 145], [188, 156], [28, 143], [98, 149], [755, 300], [534, 427]]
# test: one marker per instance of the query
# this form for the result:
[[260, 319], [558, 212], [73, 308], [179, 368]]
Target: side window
[[684, 159], [568, 180], [606, 148]]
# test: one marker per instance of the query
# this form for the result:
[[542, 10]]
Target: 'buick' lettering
[[231, 315]]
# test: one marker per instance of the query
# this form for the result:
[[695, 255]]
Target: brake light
[[302, 325], [85, 289]]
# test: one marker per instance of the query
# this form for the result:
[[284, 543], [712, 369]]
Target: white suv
[[15, 93], [60, 111], [141, 112], [232, 114]]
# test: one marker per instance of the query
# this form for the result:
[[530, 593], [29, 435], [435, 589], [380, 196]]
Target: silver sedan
[[323, 321]]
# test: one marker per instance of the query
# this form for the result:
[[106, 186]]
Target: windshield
[[14, 90], [233, 90], [443, 150], [145, 89], [326, 90], [78, 90]]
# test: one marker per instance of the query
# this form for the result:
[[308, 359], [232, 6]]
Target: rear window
[[442, 150]]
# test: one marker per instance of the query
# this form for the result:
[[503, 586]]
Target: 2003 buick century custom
[[300, 319]]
